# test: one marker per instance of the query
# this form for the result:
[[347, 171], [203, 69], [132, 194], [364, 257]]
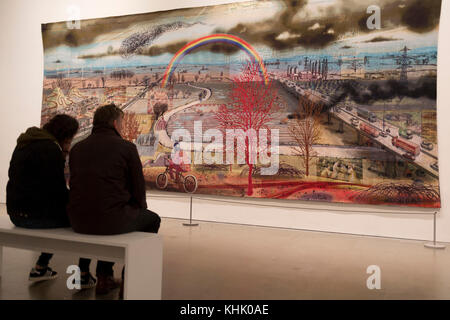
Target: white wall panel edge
[[416, 226]]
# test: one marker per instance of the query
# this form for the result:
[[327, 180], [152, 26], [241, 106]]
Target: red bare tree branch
[[253, 105]]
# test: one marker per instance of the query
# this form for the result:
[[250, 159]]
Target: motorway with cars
[[427, 155]]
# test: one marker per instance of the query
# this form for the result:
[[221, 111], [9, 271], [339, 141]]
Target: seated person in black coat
[[107, 187], [36, 193]]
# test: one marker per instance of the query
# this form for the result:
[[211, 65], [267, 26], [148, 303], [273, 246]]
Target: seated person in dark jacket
[[36, 193], [107, 187]]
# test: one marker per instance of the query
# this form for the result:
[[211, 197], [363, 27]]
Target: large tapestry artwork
[[318, 100]]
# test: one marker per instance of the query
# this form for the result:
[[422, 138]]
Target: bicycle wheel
[[190, 184], [162, 180]]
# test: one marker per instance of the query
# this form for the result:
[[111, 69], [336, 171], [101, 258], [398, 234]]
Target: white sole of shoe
[[42, 278], [89, 286]]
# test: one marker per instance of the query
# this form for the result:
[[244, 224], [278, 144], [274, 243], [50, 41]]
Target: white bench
[[140, 252]]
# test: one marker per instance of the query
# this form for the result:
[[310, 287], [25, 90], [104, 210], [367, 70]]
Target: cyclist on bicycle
[[180, 166]]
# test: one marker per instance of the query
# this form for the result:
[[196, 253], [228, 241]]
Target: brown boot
[[105, 284]]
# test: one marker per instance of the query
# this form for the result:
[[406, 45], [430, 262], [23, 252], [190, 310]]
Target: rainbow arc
[[214, 38]]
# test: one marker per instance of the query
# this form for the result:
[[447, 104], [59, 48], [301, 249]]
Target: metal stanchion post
[[190, 224], [434, 245]]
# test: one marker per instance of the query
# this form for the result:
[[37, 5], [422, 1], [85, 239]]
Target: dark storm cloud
[[98, 55], [381, 39], [422, 16], [172, 48], [56, 34], [175, 47], [417, 15], [346, 16], [424, 87], [268, 32], [316, 32], [157, 50]]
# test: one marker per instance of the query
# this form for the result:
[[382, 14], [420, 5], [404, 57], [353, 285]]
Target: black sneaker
[[88, 281], [42, 274]]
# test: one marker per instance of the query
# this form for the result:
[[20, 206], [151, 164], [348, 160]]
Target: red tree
[[253, 105], [130, 126]]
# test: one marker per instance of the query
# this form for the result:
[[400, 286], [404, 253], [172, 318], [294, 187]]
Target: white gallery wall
[[21, 66]]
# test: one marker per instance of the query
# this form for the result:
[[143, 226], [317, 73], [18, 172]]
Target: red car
[[409, 156]]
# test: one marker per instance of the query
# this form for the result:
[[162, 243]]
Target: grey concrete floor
[[224, 261]]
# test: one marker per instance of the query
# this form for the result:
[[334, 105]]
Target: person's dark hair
[[62, 127], [105, 115]]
